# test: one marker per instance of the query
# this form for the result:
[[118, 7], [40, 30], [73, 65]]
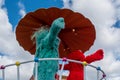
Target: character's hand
[[98, 55], [59, 22], [56, 27]]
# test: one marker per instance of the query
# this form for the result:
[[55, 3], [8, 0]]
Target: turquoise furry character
[[47, 43]]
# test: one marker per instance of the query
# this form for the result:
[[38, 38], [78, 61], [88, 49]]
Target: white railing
[[36, 60]]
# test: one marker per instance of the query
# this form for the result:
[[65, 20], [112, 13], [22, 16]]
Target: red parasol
[[79, 32]]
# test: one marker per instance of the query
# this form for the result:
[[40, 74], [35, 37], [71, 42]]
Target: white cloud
[[1, 2], [117, 6], [22, 11], [107, 37], [5, 29], [25, 69], [66, 3], [10, 47], [7, 37], [103, 14]]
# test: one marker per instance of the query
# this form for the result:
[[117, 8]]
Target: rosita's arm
[[98, 55], [55, 28]]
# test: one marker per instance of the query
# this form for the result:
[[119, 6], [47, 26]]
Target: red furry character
[[76, 70]]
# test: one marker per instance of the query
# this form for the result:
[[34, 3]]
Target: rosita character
[[76, 70], [47, 43]]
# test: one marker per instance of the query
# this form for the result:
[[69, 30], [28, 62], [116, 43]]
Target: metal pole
[[85, 73], [84, 63], [36, 70], [97, 74], [63, 64], [3, 74], [18, 73]]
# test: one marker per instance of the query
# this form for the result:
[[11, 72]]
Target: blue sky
[[30, 5], [13, 8], [117, 24], [104, 14]]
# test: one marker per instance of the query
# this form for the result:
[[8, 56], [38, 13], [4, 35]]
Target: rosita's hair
[[43, 28]]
